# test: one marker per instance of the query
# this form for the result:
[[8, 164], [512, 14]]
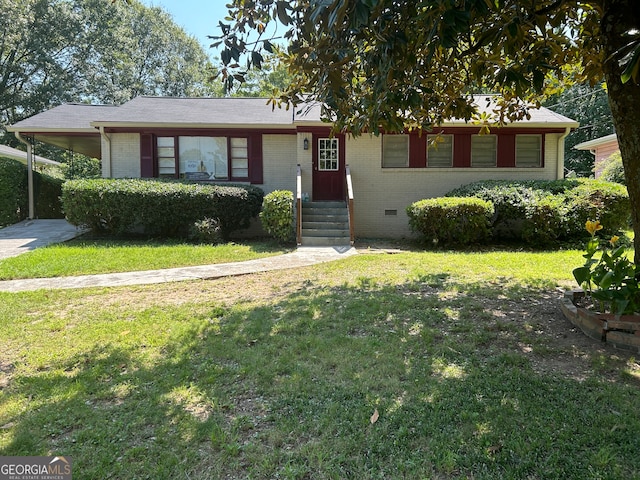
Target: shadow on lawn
[[289, 390]]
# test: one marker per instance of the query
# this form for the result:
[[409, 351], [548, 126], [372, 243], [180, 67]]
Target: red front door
[[328, 168]]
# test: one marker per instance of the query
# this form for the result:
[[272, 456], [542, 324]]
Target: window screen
[[439, 150], [395, 151], [483, 150]]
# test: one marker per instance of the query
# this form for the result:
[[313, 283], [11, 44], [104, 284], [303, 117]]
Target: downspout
[[106, 162], [32, 208], [560, 168]]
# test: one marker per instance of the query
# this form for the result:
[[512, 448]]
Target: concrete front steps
[[325, 224]]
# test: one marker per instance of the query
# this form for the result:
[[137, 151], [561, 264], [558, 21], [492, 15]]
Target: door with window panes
[[328, 168]]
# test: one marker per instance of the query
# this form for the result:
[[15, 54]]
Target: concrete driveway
[[30, 234]]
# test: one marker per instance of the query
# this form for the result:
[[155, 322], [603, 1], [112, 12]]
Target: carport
[[66, 126]]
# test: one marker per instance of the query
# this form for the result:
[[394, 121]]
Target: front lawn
[[414, 365], [86, 256]]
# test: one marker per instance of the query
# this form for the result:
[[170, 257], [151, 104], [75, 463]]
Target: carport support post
[[32, 208]]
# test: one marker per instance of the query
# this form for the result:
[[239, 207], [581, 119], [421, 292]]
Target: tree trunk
[[619, 17]]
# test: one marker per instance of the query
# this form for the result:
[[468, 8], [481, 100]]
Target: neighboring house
[[15, 154], [245, 140], [602, 148]]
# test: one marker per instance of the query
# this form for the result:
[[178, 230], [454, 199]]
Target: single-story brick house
[[602, 148], [245, 140]]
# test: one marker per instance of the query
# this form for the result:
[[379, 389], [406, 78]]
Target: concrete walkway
[[29, 234], [25, 236]]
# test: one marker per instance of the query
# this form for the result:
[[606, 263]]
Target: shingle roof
[[176, 111], [66, 117], [212, 112], [485, 103], [542, 115]]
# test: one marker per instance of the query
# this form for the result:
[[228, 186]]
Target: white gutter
[[32, 208], [560, 167], [106, 157]]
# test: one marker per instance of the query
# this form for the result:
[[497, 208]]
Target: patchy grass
[[466, 359], [86, 257]]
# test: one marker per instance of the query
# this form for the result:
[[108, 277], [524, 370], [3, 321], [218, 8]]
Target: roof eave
[[35, 129], [591, 144], [173, 125]]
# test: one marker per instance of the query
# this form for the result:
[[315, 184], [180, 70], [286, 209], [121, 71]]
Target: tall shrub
[[13, 191], [14, 195], [277, 215]]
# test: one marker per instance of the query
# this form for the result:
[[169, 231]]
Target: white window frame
[[239, 157], [328, 154], [166, 151]]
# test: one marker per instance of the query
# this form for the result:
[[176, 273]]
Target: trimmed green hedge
[[543, 212], [277, 215], [157, 207], [14, 196], [13, 192], [457, 221]]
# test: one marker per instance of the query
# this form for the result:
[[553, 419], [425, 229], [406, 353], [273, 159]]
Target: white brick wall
[[382, 195], [125, 155], [279, 162]]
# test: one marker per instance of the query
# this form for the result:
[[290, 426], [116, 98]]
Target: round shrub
[[613, 170], [596, 200], [451, 220], [277, 215], [540, 212]]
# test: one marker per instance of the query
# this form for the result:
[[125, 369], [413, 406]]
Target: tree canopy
[[92, 51], [589, 105], [393, 64]]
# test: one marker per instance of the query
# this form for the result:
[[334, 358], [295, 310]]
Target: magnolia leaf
[[631, 69], [374, 417], [582, 274]]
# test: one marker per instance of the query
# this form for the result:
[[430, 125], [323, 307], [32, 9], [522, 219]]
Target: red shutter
[[417, 150], [506, 150], [462, 150], [147, 164], [255, 158]]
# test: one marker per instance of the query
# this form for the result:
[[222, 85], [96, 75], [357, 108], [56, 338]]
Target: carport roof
[[67, 126]]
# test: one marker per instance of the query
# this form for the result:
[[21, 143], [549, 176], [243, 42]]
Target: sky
[[197, 17]]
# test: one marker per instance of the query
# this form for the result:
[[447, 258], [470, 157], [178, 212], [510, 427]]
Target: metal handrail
[[299, 206], [352, 235]]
